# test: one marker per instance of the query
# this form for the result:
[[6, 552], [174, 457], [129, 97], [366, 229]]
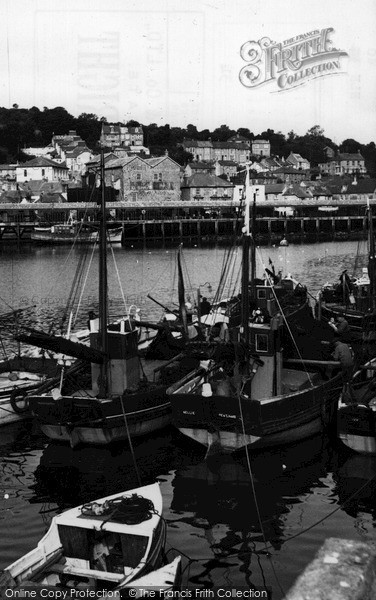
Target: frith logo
[[292, 62]]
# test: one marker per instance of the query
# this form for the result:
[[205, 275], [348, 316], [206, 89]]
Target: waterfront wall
[[341, 570], [182, 221]]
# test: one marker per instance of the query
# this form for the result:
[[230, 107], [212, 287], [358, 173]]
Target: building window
[[138, 176], [261, 342], [43, 172], [25, 172], [198, 191]]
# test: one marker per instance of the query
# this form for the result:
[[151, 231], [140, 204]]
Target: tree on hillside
[[222, 133], [244, 131], [350, 146]]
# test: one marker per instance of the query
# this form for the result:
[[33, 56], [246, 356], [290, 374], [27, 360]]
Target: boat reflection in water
[[69, 476], [356, 488], [215, 503]]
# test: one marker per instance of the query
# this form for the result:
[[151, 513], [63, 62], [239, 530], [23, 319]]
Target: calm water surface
[[228, 536]]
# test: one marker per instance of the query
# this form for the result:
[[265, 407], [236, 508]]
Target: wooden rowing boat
[[103, 545]]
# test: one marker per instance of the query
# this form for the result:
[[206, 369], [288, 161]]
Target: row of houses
[[237, 149], [160, 180]]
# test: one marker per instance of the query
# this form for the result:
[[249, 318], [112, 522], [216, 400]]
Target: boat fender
[[19, 401], [206, 390]]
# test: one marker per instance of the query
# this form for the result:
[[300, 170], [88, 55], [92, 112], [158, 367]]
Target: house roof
[[350, 185], [289, 171], [297, 156], [230, 145], [227, 163], [346, 156], [8, 167], [239, 138], [156, 160], [205, 180], [11, 197], [97, 158], [49, 198], [111, 129], [35, 186], [270, 162], [296, 190], [274, 188], [77, 151], [41, 161], [196, 166], [197, 144], [260, 142]]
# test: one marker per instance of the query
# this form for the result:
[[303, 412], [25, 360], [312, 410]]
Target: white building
[[41, 168]]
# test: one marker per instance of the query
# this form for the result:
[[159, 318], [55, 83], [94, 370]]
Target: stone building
[[344, 164], [144, 179], [204, 186], [114, 136], [261, 147]]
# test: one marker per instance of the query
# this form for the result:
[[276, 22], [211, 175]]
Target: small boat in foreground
[[161, 581], [102, 545], [356, 415]]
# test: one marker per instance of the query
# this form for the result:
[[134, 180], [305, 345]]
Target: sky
[[178, 62]]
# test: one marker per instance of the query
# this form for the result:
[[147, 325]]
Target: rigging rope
[[118, 275], [284, 318], [84, 284]]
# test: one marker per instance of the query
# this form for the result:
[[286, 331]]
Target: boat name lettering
[[227, 416], [189, 412], [292, 62]]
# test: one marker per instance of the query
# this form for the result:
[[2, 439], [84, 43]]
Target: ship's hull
[[46, 236], [84, 420], [356, 427], [18, 377], [231, 424]]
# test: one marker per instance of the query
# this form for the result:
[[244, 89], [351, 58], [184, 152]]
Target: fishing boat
[[356, 416], [122, 397], [72, 231], [19, 376], [103, 545], [353, 299], [247, 391]]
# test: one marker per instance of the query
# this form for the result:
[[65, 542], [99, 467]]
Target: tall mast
[[103, 300], [371, 256], [245, 265]]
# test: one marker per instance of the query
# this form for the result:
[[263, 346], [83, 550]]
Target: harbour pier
[[199, 221]]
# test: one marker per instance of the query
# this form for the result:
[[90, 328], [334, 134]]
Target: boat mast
[[371, 256], [245, 264], [103, 291]]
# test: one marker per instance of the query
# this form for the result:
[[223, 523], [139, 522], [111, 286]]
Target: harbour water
[[237, 525]]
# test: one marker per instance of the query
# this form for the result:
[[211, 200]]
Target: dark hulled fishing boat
[[356, 416], [246, 392], [354, 299], [119, 398]]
